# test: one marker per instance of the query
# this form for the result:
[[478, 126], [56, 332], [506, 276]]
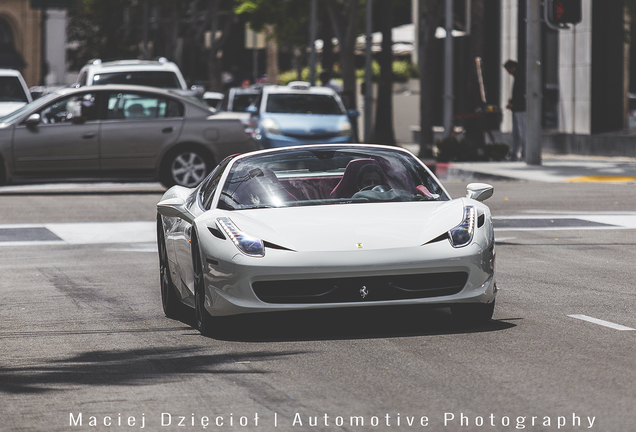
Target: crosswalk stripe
[[81, 233], [145, 231]]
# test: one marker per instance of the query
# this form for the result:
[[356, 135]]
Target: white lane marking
[[602, 322], [619, 220], [91, 233], [105, 232]]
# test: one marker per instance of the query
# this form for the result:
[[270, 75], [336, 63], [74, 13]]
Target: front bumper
[[275, 141], [435, 274]]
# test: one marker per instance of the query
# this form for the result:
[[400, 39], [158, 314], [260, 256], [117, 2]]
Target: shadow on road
[[125, 367], [342, 324]]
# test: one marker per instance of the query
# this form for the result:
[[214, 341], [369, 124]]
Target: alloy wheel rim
[[188, 169]]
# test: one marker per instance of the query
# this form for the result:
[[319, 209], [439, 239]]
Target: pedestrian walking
[[517, 104]]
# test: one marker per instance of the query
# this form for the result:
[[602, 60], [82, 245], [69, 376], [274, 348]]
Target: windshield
[[327, 176], [242, 101], [303, 103], [147, 78], [11, 90]]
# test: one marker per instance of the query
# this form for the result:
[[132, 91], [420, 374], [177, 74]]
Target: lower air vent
[[360, 289]]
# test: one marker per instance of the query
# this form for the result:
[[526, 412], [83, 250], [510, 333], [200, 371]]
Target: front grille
[[360, 289]]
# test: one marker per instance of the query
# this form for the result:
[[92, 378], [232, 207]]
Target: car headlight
[[344, 129], [247, 244], [270, 127], [462, 234]]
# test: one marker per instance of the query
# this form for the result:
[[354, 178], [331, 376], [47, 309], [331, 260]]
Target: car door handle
[[89, 135], [167, 130]]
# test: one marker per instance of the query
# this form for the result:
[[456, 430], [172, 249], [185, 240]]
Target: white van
[[14, 92], [155, 73]]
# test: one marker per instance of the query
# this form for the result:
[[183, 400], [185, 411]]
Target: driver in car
[[369, 176]]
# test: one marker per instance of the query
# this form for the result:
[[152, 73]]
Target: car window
[[209, 185], [133, 106], [312, 176], [71, 108], [11, 90], [241, 102], [161, 79], [303, 104]]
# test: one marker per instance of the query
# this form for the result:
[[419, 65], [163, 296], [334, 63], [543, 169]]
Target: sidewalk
[[554, 168]]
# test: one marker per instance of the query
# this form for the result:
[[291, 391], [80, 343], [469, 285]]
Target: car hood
[[307, 124], [351, 226]]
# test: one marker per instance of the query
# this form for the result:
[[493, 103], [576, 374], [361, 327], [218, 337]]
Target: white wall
[[575, 75], [509, 14], [56, 47]]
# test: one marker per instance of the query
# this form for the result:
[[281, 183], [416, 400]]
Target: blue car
[[299, 113]]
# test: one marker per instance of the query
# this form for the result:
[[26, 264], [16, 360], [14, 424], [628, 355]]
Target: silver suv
[[154, 73]]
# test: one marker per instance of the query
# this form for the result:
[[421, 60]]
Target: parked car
[[155, 73], [214, 99], [299, 113], [323, 227], [240, 99], [118, 132], [14, 92]]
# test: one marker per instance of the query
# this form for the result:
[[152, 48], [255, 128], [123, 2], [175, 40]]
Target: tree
[[384, 132], [213, 47], [344, 21], [285, 22], [430, 15], [96, 30]]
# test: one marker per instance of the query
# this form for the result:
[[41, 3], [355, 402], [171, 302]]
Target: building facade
[[586, 76], [41, 60], [20, 39]]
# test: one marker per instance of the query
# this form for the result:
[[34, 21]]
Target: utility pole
[[313, 30], [533, 130], [448, 71], [368, 88]]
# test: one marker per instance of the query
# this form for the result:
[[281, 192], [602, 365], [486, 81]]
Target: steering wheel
[[376, 188]]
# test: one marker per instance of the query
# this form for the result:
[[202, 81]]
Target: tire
[[203, 319], [473, 313], [172, 306], [3, 173], [185, 166]]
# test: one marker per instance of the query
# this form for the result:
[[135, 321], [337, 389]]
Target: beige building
[[20, 40]]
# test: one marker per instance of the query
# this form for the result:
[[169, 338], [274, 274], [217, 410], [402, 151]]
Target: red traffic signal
[[562, 12]]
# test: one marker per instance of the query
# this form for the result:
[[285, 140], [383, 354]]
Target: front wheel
[[202, 317], [186, 167], [473, 313], [169, 300]]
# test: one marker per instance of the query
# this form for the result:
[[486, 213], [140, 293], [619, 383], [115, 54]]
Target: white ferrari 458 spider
[[324, 226]]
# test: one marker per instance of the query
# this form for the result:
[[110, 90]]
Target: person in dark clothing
[[517, 104]]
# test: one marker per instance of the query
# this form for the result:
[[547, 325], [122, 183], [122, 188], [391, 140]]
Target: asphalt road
[[83, 338]]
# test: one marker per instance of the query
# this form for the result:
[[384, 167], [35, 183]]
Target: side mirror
[[251, 109], [33, 120], [353, 113], [479, 191], [198, 89], [175, 207]]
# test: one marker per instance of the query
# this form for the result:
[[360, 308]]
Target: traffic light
[[562, 12]]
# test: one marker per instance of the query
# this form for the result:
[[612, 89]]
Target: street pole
[[533, 82], [313, 30], [448, 71], [368, 89]]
